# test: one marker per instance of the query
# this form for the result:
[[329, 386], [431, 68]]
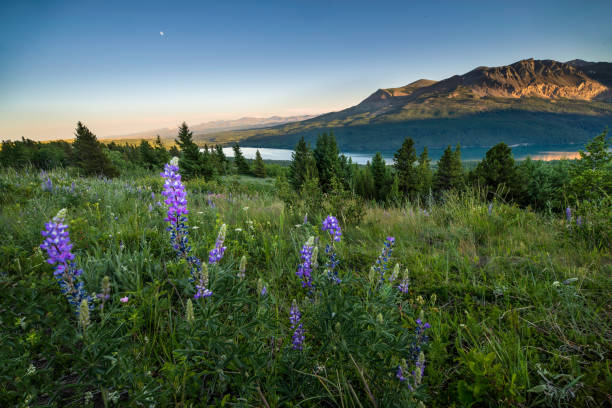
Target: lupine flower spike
[[404, 286], [242, 267], [202, 283], [298, 335], [217, 252], [304, 271], [331, 225], [105, 295], [383, 258], [568, 214], [58, 247], [189, 314]]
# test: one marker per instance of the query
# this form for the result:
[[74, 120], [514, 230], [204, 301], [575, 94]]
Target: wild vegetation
[[329, 284]]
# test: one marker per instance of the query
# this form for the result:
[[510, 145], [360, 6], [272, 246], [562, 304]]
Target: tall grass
[[519, 307]]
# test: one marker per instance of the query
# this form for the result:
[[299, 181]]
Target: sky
[[129, 66]]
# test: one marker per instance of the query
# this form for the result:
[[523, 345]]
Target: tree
[[591, 176], [220, 160], [405, 171], [326, 157], [259, 168], [424, 174], [89, 155], [381, 177], [148, 157], [450, 171], [302, 166], [192, 163], [162, 155], [241, 164], [498, 171]]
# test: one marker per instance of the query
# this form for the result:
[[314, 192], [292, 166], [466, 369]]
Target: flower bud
[[84, 314], [189, 314]]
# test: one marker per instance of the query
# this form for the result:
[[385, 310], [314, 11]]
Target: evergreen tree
[[381, 177], [162, 155], [174, 151], [147, 155], [497, 170], [364, 182], [424, 174], [326, 157], [302, 165], [450, 171], [192, 163], [88, 154], [220, 160], [405, 171], [259, 168], [241, 164]]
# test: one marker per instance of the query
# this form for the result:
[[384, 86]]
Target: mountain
[[215, 126], [541, 102]]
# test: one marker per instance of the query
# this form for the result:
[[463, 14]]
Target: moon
[[161, 33]]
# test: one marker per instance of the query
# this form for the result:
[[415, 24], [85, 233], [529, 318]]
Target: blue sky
[[106, 64]]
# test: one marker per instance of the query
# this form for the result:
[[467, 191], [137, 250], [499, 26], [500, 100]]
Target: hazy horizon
[[109, 65]]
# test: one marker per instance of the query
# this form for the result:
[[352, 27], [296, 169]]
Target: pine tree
[[241, 164], [259, 168], [220, 160], [424, 174], [326, 157], [405, 171], [497, 170], [591, 176], [174, 151], [381, 177], [302, 165], [89, 155], [192, 163], [147, 156], [450, 171], [162, 155]]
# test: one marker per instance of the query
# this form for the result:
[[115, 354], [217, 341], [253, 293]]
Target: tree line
[[92, 157], [412, 177]]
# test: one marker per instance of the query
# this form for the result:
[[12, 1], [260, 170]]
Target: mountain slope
[[517, 103]]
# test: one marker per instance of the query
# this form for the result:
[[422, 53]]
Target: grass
[[519, 306]]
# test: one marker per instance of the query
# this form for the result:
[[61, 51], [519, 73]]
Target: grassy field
[[519, 305]]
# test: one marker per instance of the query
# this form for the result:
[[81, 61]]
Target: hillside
[[531, 101]]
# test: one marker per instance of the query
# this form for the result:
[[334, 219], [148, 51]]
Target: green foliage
[[240, 162], [326, 156], [449, 175], [381, 177], [259, 169], [404, 163], [497, 172], [192, 162], [88, 154], [591, 176], [302, 166]]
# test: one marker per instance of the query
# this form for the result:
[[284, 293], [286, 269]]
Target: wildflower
[[189, 315], [304, 271], [400, 371], [395, 273], [47, 185], [490, 208], [176, 200], [124, 299], [383, 258], [314, 258], [202, 282], [105, 295], [579, 221], [242, 267], [568, 214], [298, 335], [58, 247], [379, 318], [404, 286], [306, 218], [331, 225], [84, 314], [261, 288], [150, 208], [216, 253]]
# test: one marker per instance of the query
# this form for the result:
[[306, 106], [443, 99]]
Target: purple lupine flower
[[579, 221], [568, 214], [47, 185], [264, 291], [174, 192], [331, 225], [152, 195], [490, 207], [306, 218], [404, 286], [400, 373], [384, 257], [304, 271], [298, 335], [217, 252], [58, 247]]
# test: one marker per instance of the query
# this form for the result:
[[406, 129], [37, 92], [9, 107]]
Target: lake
[[520, 152]]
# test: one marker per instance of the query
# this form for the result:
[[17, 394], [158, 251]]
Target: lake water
[[520, 152]]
